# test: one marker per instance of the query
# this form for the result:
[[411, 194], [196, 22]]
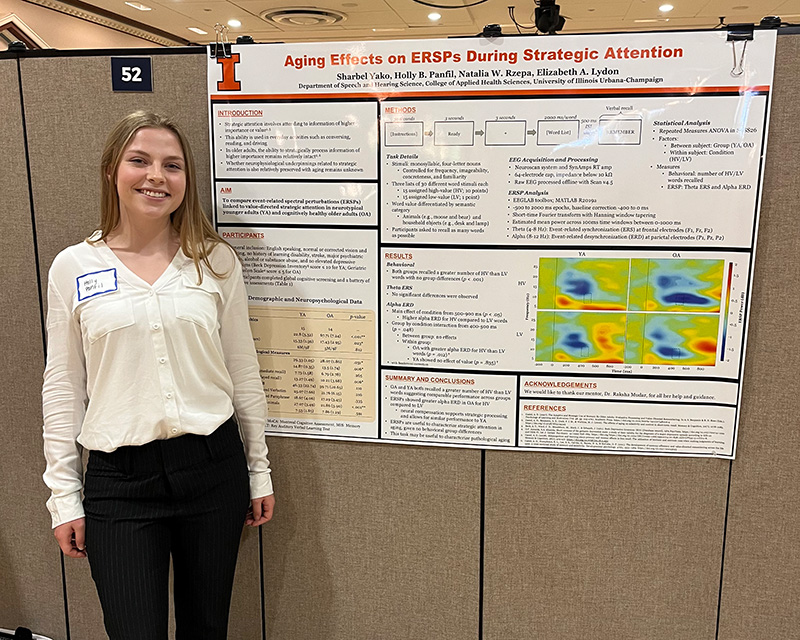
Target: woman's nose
[[155, 174]]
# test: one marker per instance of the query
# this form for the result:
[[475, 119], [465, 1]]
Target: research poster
[[534, 243]]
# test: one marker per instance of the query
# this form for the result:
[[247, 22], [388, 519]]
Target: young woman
[[149, 358]]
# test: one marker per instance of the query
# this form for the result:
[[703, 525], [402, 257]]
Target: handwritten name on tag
[[96, 283]]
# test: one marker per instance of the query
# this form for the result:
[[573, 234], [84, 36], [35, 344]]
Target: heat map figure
[[676, 285], [629, 311], [671, 338], [580, 337], [583, 284]]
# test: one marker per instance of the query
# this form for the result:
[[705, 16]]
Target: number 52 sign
[[132, 74]]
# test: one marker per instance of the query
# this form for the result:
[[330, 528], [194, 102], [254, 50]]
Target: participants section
[[607, 427], [337, 140], [660, 171], [313, 309], [441, 408], [300, 203]]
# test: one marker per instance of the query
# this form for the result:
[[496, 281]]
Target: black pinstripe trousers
[[184, 498]]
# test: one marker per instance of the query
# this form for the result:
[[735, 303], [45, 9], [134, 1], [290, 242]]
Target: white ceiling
[[393, 19]]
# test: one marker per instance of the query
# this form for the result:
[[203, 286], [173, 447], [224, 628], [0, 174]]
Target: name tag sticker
[[96, 283]]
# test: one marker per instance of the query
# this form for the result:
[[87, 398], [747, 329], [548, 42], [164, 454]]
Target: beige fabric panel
[[372, 541], [30, 572], [606, 547], [67, 124], [761, 589]]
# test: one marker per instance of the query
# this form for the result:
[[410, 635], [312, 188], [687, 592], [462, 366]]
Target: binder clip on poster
[[739, 33], [222, 46]]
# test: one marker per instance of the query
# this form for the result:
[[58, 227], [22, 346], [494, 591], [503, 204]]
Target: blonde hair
[[197, 235]]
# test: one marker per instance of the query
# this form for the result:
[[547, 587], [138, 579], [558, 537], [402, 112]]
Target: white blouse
[[129, 363]]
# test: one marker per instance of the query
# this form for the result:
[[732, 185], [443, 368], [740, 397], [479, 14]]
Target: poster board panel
[[760, 590], [372, 541], [67, 125], [612, 547], [30, 588]]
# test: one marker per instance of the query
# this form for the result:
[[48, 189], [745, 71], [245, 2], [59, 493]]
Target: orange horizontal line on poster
[[689, 91]]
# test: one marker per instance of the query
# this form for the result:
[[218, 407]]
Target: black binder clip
[[739, 33], [491, 31], [222, 46]]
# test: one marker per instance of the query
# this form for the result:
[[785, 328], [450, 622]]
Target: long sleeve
[[242, 363], [64, 406]]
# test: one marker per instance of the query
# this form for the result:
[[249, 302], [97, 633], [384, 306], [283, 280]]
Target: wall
[[391, 542]]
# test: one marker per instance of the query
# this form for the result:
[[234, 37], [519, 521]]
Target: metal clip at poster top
[[739, 33], [221, 47]]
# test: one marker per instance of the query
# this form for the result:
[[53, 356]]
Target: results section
[[539, 310]]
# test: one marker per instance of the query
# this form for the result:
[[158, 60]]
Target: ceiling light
[[303, 18], [199, 32], [139, 6], [233, 22], [434, 16], [664, 8]]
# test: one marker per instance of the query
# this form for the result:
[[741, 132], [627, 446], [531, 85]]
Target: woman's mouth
[[153, 194]]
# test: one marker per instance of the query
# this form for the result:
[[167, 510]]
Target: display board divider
[[194, 50], [788, 29], [724, 541], [40, 294]]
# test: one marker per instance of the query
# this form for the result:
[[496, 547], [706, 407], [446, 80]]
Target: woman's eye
[[136, 161]]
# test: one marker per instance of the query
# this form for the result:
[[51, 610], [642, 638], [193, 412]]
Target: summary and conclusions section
[[440, 408]]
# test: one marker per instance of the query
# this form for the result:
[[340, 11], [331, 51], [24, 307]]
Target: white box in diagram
[[404, 134], [505, 133], [551, 133], [619, 130], [454, 133]]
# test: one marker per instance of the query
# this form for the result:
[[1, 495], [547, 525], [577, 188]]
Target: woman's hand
[[260, 511], [70, 536]]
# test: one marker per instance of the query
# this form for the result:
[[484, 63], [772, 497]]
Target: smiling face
[[151, 177]]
